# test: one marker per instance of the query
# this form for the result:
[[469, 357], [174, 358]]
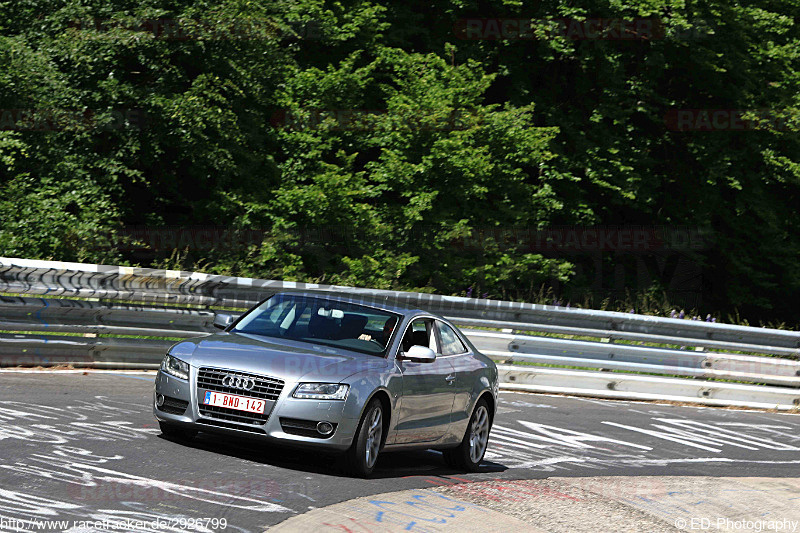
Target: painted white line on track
[[74, 371]]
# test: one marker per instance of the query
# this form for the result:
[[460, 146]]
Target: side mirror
[[420, 354], [222, 321]]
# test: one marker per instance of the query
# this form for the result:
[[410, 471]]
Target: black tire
[[469, 454], [174, 431], [362, 455]]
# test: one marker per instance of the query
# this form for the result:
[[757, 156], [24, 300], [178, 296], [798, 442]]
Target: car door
[[466, 368], [428, 388]]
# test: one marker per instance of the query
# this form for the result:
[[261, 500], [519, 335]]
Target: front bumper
[[284, 407]]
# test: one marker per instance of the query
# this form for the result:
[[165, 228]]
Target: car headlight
[[321, 391], [175, 367]]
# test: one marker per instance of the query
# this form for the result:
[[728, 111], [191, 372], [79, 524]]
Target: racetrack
[[85, 446]]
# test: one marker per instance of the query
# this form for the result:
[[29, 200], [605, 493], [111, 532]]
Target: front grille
[[265, 388], [173, 406], [211, 379], [305, 428]]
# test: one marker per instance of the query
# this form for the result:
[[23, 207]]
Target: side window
[[451, 344], [419, 333]]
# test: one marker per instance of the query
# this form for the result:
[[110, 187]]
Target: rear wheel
[[470, 452], [363, 453], [175, 431]]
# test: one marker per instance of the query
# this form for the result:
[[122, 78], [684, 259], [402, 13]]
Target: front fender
[[364, 386]]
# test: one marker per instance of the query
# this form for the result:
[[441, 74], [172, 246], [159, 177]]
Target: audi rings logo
[[238, 382]]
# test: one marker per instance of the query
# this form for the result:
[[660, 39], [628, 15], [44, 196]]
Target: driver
[[388, 327]]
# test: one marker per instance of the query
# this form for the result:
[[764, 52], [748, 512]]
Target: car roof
[[377, 301]]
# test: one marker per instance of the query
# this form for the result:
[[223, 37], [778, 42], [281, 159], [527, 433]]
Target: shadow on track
[[390, 464]]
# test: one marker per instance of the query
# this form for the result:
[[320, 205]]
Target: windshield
[[321, 321]]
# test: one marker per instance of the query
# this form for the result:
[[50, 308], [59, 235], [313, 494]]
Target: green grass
[[92, 335]]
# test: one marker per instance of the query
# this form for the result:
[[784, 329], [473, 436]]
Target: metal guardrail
[[625, 357], [637, 387], [614, 334], [24, 276], [124, 302], [51, 311]]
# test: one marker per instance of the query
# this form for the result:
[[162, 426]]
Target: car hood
[[285, 360]]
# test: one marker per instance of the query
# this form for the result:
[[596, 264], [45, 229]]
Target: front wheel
[[363, 453], [469, 454]]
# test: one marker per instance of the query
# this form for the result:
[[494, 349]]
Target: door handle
[[450, 379]]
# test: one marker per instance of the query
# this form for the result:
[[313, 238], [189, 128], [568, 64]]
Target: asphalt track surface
[[85, 447]]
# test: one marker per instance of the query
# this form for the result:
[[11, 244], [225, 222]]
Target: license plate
[[231, 401]]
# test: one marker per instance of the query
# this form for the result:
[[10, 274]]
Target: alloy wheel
[[374, 434], [479, 434]]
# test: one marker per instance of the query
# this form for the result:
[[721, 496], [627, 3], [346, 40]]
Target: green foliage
[[371, 144]]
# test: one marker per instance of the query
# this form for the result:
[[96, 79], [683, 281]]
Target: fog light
[[325, 428], [159, 400]]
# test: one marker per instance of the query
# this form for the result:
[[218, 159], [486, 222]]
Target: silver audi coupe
[[338, 373]]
